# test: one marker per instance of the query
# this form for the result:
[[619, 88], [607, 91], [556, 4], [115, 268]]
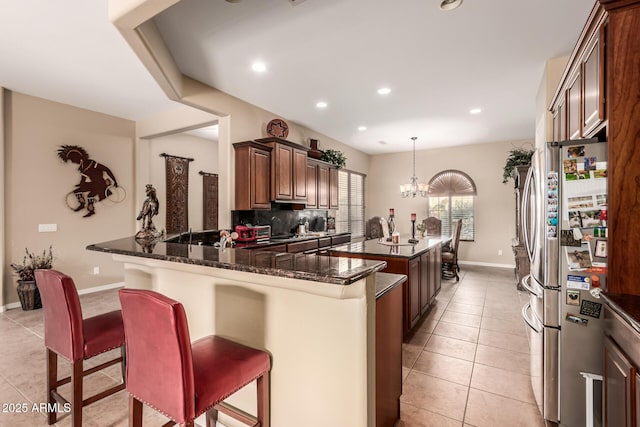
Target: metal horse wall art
[[97, 182]]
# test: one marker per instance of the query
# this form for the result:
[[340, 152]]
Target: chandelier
[[414, 188]]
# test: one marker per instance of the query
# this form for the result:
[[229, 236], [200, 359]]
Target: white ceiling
[[488, 54]]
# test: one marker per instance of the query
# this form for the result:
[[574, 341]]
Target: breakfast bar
[[315, 315]]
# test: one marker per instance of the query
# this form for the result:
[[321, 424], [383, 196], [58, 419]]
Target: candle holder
[[413, 229]]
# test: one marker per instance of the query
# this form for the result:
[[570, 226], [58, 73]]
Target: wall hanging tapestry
[[97, 182], [177, 170], [209, 200]]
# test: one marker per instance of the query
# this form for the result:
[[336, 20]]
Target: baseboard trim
[[101, 288], [486, 264]]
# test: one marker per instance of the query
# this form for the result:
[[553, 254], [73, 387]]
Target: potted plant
[[334, 157], [27, 288], [517, 157]]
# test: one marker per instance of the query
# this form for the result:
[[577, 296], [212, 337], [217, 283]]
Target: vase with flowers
[[27, 288]]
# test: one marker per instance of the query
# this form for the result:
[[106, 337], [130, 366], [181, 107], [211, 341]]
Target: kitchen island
[[315, 315], [420, 262]]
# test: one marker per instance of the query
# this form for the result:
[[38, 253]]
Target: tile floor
[[468, 362], [466, 365]]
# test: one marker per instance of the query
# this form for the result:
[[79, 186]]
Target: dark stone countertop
[[627, 306], [283, 240], [387, 281], [339, 271], [404, 250]]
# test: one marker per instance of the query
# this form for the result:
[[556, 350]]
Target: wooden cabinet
[[593, 83], [578, 104], [252, 174], [333, 188], [388, 356], [414, 291], [426, 281], [573, 106], [312, 186], [288, 170], [306, 245], [437, 271], [318, 184], [619, 383]]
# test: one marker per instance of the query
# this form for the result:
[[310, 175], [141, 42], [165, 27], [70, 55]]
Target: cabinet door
[[333, 188], [414, 291], [618, 377], [323, 187], [282, 172], [299, 175], [312, 195], [425, 278], [562, 119], [437, 270], [573, 107], [592, 80], [556, 125], [260, 166]]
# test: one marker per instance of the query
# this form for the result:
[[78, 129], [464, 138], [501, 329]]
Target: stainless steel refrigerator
[[564, 210]]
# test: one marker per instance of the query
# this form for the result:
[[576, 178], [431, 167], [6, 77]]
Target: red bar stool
[[180, 379], [76, 339]]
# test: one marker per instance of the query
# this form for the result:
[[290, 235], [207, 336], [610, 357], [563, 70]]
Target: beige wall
[[3, 261], [205, 155], [495, 203], [37, 182], [548, 84]]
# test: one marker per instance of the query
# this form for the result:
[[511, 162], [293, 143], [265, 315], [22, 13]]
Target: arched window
[[452, 195]]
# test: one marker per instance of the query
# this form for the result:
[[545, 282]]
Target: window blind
[[350, 213]]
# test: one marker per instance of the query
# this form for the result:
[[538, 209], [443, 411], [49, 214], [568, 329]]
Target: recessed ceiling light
[[259, 67], [321, 104], [450, 4], [475, 111], [361, 128], [384, 91]]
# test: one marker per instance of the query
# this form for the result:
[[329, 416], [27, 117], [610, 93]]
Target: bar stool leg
[[123, 364], [135, 412], [76, 386], [264, 397], [52, 380], [212, 417]]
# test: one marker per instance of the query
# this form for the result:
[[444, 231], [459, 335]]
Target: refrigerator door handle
[[525, 284], [529, 321], [524, 213]]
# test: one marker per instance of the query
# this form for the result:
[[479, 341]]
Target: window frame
[[453, 185]]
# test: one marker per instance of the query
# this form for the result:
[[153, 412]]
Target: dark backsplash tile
[[282, 221]]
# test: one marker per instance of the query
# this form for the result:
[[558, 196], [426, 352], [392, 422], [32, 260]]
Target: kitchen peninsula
[[421, 263], [314, 314]]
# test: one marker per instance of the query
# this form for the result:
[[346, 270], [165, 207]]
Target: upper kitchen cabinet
[[319, 184], [252, 172], [333, 188], [288, 170], [578, 104]]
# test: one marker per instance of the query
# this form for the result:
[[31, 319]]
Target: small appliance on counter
[[253, 233]]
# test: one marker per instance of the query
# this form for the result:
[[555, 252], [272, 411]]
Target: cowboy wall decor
[[97, 182]]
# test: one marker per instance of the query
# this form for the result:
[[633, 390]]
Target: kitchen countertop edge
[[157, 250]]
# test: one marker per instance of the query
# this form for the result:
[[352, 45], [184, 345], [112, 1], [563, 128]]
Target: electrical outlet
[[499, 252], [96, 270]]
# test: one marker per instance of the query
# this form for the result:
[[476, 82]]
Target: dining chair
[[76, 339], [184, 380], [450, 267]]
